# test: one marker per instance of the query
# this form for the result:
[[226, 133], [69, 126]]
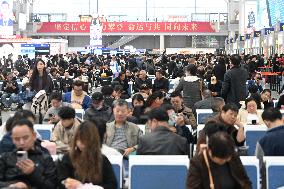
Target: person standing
[[234, 85]]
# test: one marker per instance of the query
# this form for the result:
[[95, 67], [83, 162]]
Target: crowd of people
[[117, 93]]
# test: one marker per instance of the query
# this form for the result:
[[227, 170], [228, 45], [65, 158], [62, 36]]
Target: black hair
[[23, 122], [78, 83], [152, 97], [192, 69], [249, 100], [271, 114], [230, 106], [167, 107], [212, 126], [55, 96], [216, 103], [235, 60], [266, 90], [175, 94], [107, 90], [252, 89], [221, 145], [159, 114], [280, 101], [66, 112], [138, 97], [21, 114]]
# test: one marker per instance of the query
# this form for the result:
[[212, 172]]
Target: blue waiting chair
[[44, 130], [117, 165], [153, 172], [251, 164], [253, 134], [202, 115], [274, 171]]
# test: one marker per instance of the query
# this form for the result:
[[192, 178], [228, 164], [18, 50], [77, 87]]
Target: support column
[[162, 42]]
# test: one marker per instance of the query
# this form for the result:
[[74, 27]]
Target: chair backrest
[[44, 130], [275, 102], [202, 115], [153, 172], [116, 162], [80, 113], [251, 164], [282, 112], [142, 128], [253, 134], [274, 171]]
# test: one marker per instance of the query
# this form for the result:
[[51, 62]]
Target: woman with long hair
[[40, 79], [85, 164]]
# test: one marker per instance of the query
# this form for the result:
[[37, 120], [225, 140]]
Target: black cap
[[144, 87], [98, 96]]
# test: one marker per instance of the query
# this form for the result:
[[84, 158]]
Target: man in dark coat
[[234, 85], [161, 141]]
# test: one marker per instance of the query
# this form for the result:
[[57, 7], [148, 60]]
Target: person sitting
[[121, 134], [107, 94], [138, 104], [10, 90], [101, 126], [98, 109], [177, 123], [271, 143], [218, 166], [142, 79], [85, 165], [35, 170], [257, 79], [250, 115], [217, 106], [66, 83], [280, 103], [263, 100], [228, 117], [6, 143], [123, 81], [177, 102], [155, 100], [215, 86], [161, 140], [160, 83], [51, 116], [77, 97], [65, 129], [206, 102], [145, 91]]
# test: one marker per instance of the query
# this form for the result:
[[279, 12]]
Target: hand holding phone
[[22, 155]]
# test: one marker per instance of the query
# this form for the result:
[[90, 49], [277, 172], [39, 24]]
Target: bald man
[[206, 103]]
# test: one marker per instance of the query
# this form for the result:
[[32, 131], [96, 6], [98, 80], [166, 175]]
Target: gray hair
[[120, 102]]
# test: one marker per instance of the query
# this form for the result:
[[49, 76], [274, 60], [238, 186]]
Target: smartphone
[[50, 115], [22, 155], [253, 122]]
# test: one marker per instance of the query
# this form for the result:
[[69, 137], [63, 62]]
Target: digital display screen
[[34, 50], [6, 17], [276, 11]]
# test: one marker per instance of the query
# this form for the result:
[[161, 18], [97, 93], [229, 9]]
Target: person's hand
[[26, 166], [214, 94], [19, 185], [239, 124], [54, 119], [202, 147], [72, 183], [180, 120], [173, 129], [128, 151]]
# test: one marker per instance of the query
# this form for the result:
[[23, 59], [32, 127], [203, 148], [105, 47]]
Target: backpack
[[40, 103]]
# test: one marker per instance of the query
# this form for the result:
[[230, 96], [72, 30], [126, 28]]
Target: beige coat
[[243, 117], [63, 137], [132, 133]]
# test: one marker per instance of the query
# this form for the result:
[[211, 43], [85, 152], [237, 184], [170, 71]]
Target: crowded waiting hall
[[150, 94]]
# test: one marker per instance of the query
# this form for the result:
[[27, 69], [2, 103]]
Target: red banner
[[128, 27]]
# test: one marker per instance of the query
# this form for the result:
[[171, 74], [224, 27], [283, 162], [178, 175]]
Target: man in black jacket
[[142, 80], [11, 90], [36, 170], [161, 140], [98, 109], [234, 85], [160, 83]]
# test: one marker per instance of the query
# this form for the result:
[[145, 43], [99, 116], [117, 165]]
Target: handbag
[[209, 171]]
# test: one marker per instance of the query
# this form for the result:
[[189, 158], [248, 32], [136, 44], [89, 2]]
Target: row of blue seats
[[168, 172]]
